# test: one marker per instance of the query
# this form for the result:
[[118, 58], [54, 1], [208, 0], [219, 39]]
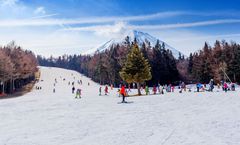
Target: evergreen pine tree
[[136, 68]]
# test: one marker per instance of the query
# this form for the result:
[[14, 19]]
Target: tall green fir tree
[[136, 68]]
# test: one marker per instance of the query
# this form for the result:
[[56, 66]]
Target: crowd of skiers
[[124, 90], [182, 87], [210, 87], [77, 92]]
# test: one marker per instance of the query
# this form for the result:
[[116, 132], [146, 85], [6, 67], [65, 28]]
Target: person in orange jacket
[[123, 93]]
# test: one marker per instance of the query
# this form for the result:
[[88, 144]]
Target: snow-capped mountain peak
[[140, 37]]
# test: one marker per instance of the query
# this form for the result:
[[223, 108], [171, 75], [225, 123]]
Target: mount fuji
[[141, 38]]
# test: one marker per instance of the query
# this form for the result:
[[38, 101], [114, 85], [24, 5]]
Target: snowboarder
[[106, 90], [147, 90], [100, 91], [73, 89], [123, 93]]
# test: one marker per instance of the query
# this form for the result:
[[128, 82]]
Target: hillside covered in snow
[[42, 117]]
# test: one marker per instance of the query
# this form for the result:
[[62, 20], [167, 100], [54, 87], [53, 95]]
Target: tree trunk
[[139, 87]]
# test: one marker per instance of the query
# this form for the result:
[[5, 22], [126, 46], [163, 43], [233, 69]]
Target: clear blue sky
[[71, 26]]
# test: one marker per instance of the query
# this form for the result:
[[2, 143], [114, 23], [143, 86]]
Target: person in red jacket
[[123, 93]]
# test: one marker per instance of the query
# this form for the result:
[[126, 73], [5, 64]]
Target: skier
[[53, 90], [198, 86], [154, 90], [172, 88], [232, 87], [106, 90], [73, 89], [129, 88], [160, 89], [78, 93], [225, 86], [147, 90], [211, 85], [88, 84], [100, 91], [111, 86], [123, 93]]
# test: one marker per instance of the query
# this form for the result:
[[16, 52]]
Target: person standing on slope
[[123, 93], [100, 91], [73, 90], [147, 90], [211, 85], [111, 86], [78, 93], [225, 86], [106, 90], [154, 90], [160, 89]]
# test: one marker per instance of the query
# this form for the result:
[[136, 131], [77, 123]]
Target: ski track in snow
[[42, 117]]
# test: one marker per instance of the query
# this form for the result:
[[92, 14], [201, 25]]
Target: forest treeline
[[222, 61], [17, 68], [104, 67], [218, 62]]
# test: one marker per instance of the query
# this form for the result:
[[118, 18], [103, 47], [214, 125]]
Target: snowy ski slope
[[42, 117]]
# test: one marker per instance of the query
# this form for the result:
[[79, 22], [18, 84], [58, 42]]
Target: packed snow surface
[[42, 117]]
